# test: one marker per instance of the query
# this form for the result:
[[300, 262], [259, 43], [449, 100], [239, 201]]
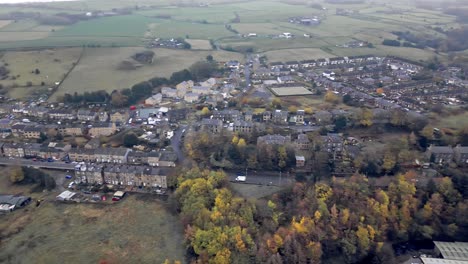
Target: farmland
[[140, 230], [98, 68], [224, 23], [51, 63], [137, 229]]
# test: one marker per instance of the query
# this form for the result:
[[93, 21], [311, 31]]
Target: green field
[[98, 68], [52, 64], [138, 229], [163, 19]]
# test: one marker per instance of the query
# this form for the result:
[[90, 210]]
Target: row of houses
[[116, 116], [35, 131], [124, 175], [306, 64], [59, 151], [448, 154]]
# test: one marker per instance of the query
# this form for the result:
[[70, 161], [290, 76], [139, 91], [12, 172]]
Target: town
[[264, 123]]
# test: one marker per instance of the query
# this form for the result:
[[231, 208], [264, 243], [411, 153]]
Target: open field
[[403, 52], [53, 64], [296, 54], [178, 29], [98, 69], [452, 121], [135, 230], [290, 91], [4, 23], [138, 229], [21, 36], [254, 191], [199, 44]]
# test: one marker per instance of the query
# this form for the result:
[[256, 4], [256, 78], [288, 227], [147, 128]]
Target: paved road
[[56, 165], [263, 178], [176, 142]]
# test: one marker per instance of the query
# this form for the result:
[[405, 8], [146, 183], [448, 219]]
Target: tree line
[[128, 96], [345, 220]]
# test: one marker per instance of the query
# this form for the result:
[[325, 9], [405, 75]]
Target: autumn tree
[[205, 111], [331, 97], [118, 99], [16, 174], [365, 117]]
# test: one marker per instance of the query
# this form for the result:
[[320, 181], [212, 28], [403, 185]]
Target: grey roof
[[17, 201], [461, 149], [441, 149], [112, 151], [211, 122], [453, 250]]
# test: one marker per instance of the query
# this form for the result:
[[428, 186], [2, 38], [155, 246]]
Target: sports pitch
[[290, 91]]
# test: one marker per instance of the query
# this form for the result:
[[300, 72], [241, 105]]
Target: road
[[263, 178], [56, 165], [176, 143]]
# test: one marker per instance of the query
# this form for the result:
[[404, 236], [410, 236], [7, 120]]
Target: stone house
[[440, 154], [191, 97], [102, 129], [67, 130], [15, 150], [90, 174], [86, 115], [302, 142], [121, 116], [81, 155], [112, 155], [32, 132], [243, 126], [212, 125], [461, 155]]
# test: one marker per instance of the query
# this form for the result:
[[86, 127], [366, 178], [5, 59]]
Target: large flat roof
[[453, 250], [442, 261]]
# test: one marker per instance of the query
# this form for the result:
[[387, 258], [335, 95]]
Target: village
[[138, 148]]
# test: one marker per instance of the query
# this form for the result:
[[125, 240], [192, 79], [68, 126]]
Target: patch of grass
[[128, 26], [135, 230], [296, 54], [178, 29], [4, 23], [51, 63], [98, 69], [199, 44], [253, 190]]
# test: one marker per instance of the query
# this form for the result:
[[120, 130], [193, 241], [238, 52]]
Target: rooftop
[[442, 261], [453, 250]]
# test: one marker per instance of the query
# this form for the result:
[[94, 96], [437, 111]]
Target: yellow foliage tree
[[205, 111], [308, 110], [235, 140], [366, 117], [332, 98], [292, 109], [241, 143]]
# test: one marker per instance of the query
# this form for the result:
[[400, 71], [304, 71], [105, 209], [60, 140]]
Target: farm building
[[9, 203]]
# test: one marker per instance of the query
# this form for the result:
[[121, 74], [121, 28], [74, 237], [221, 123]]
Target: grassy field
[[199, 44], [136, 230], [4, 23], [98, 69], [452, 121], [296, 54], [198, 25], [254, 191], [139, 229], [53, 64], [290, 91]]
